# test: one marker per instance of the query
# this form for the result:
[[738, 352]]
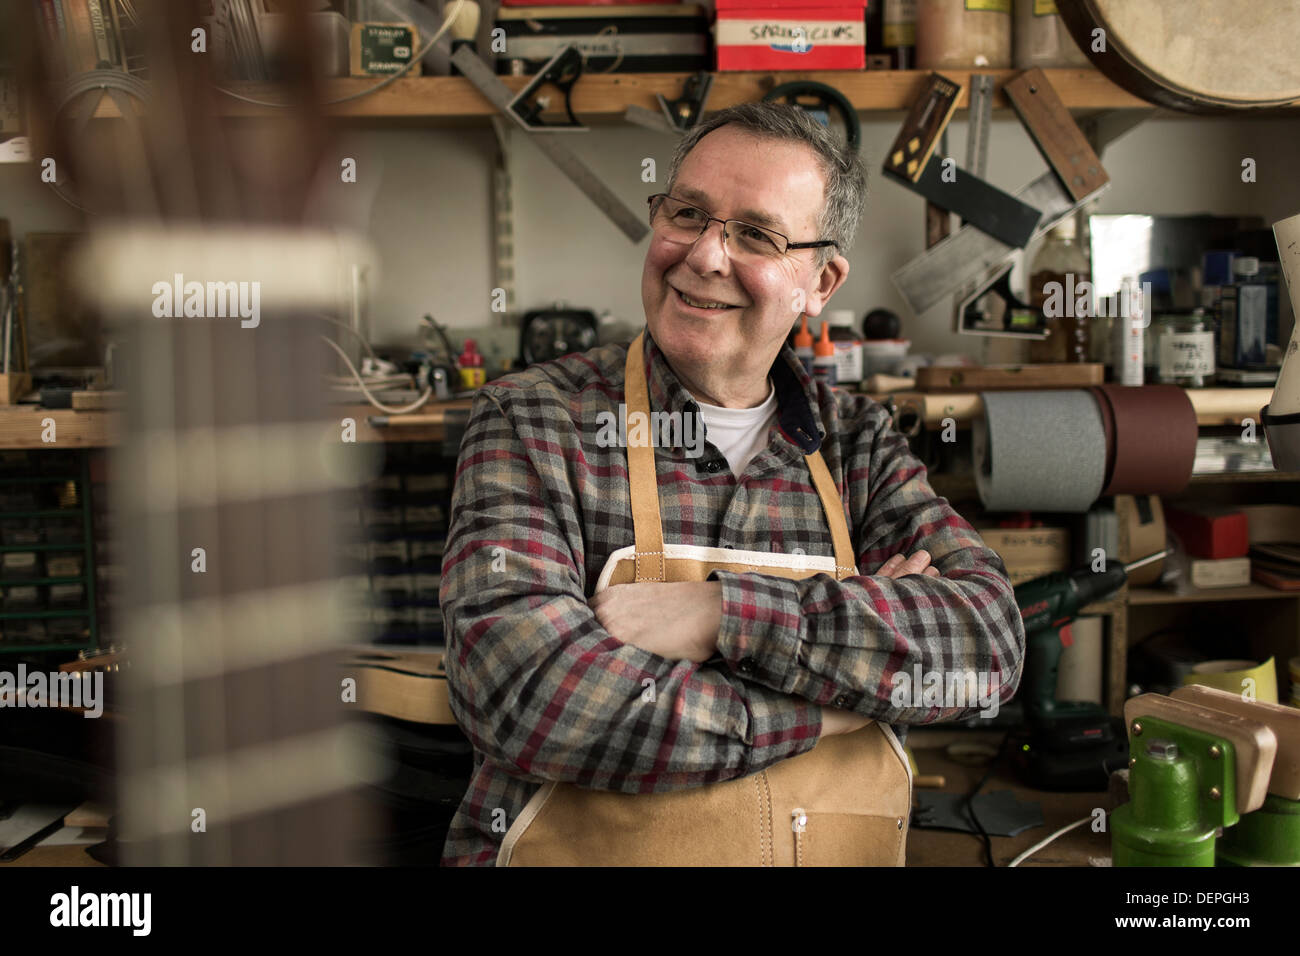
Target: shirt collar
[[796, 394]]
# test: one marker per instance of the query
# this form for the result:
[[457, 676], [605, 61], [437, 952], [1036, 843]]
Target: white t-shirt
[[739, 433]]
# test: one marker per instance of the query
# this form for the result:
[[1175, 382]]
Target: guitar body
[[236, 747]]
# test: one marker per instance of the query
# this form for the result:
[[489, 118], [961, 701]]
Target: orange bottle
[[824, 357], [803, 344]]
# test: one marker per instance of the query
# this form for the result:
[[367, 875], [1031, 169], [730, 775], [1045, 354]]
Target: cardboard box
[[1029, 553], [1220, 572], [791, 34], [381, 49], [1210, 532]]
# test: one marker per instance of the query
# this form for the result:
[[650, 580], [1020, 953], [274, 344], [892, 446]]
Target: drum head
[[1197, 55]]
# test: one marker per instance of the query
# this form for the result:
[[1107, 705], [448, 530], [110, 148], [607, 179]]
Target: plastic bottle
[[848, 346], [1058, 269], [472, 372], [1130, 331], [1245, 319], [803, 344], [824, 357]]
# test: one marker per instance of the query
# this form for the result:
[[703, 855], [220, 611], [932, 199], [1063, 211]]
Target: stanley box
[[791, 34], [658, 38], [379, 49]]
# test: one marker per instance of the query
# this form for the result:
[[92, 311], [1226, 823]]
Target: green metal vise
[[1269, 836], [1194, 772]]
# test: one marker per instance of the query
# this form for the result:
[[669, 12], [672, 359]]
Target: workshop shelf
[[603, 97], [84, 545]]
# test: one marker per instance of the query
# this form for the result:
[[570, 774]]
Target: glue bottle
[[803, 344], [824, 357], [472, 372]]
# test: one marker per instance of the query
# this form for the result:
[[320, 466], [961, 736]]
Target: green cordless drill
[[1069, 745]]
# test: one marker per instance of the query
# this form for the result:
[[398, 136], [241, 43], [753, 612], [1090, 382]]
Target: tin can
[[1185, 349]]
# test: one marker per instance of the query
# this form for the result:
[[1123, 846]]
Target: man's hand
[[919, 563], [837, 721], [677, 621]]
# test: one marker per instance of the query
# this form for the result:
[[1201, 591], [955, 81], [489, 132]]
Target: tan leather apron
[[846, 802]]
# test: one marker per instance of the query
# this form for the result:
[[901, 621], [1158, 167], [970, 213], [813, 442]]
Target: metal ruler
[[979, 121]]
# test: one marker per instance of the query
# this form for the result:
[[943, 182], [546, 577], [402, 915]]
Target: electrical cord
[[388, 410], [343, 325], [970, 800], [1042, 843], [446, 25]]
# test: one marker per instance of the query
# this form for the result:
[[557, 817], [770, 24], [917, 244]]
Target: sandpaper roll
[[1151, 444], [1039, 451]]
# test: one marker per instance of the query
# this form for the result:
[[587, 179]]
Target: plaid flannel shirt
[[545, 693]]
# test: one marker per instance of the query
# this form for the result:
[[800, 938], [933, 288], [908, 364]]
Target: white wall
[[566, 249], [425, 194]]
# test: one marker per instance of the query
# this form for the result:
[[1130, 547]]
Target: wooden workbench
[[952, 848], [22, 426]]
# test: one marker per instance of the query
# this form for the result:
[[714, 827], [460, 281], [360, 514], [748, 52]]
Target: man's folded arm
[[538, 685], [848, 642]]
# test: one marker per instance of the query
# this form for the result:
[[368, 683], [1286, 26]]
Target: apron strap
[[647, 523], [845, 563]]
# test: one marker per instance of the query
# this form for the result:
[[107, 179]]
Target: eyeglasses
[[681, 222]]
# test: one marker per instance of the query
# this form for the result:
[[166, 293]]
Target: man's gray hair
[[841, 167]]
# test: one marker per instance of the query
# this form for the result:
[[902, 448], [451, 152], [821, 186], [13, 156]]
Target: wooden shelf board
[[1251, 592], [21, 427], [1235, 476], [604, 96]]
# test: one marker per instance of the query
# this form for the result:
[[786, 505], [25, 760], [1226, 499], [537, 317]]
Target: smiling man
[[684, 679]]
